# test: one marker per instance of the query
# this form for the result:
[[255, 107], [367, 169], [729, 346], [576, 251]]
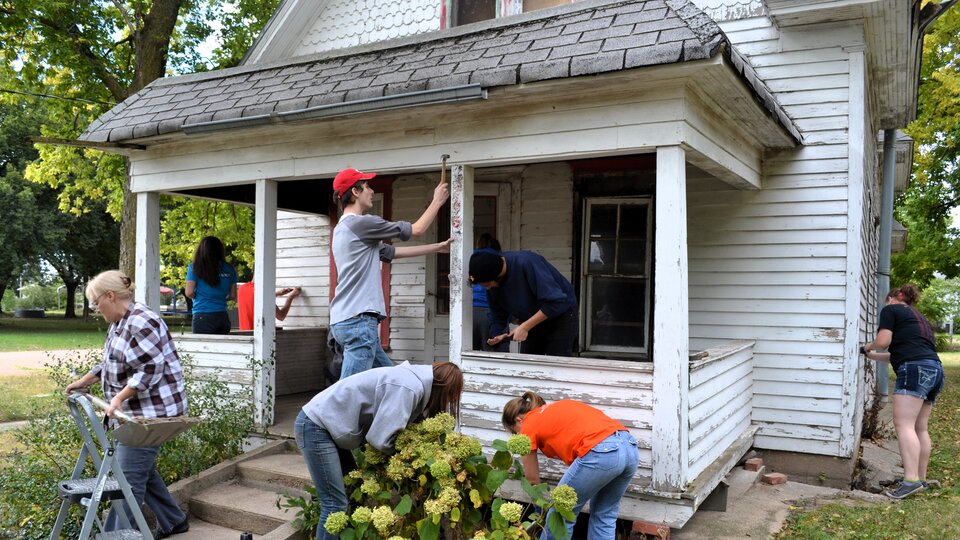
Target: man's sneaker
[[182, 527], [905, 489]]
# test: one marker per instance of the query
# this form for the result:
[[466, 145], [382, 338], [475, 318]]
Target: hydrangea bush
[[439, 482]]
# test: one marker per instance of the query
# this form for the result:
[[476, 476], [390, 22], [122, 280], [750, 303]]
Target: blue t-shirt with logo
[[210, 299]]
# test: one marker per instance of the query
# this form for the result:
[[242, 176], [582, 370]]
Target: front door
[[491, 215]]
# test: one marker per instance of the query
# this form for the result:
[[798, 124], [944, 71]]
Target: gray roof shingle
[[589, 41]]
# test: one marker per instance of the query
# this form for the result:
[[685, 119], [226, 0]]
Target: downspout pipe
[[886, 231]]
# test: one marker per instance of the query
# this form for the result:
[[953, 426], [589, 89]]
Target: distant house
[[706, 172]]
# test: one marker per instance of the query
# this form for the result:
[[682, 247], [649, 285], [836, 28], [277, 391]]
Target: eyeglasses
[[96, 301]]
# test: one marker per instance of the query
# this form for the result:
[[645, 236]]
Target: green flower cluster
[[361, 515], [438, 425], [373, 456], [440, 469], [511, 511], [399, 469], [397, 538], [370, 486], [564, 498], [462, 446], [519, 445], [336, 522], [449, 498], [383, 517]]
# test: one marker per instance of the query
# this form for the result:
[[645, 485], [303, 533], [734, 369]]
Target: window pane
[[601, 256], [603, 221], [633, 221], [471, 11], [618, 312], [633, 254]]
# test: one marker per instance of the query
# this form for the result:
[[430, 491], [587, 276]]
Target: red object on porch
[[655, 530], [753, 464], [774, 478]]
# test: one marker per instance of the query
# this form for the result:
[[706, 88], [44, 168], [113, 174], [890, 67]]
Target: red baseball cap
[[346, 179]]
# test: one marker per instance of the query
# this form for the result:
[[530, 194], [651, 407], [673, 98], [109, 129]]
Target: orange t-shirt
[[567, 429], [245, 305]]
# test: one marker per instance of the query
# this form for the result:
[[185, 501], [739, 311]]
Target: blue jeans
[[921, 379], [138, 466], [211, 323], [601, 476], [323, 461], [360, 339]]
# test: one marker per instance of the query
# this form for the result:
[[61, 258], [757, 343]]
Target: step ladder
[[109, 485]]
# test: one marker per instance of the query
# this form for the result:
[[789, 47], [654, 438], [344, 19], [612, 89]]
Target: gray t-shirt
[[358, 249]]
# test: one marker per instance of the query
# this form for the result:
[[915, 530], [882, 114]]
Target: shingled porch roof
[[559, 43]]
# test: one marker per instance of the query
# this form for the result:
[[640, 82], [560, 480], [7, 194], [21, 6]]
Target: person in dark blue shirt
[[523, 284]]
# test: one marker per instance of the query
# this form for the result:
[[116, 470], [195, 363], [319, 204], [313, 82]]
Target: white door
[[491, 215]]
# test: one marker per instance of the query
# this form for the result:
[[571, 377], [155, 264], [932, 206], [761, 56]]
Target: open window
[[615, 275]]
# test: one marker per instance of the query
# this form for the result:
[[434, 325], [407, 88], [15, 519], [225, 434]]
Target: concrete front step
[[202, 530], [241, 508], [284, 473]]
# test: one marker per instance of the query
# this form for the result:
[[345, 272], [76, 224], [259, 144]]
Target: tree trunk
[[3, 289], [70, 312], [128, 230]]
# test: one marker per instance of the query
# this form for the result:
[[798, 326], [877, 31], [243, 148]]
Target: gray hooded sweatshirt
[[372, 406]]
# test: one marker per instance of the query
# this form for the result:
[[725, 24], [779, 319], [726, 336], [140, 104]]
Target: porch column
[[671, 334], [461, 230], [147, 276], [264, 303]]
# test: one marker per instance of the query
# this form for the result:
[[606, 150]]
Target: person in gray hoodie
[[373, 407]]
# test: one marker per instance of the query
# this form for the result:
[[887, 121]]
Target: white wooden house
[[706, 173]]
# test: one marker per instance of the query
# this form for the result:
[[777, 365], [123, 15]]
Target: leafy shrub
[[943, 343], [437, 480], [29, 501]]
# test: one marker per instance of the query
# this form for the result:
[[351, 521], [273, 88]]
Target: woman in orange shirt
[[600, 454]]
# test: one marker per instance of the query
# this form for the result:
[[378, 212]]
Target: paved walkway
[[26, 362]]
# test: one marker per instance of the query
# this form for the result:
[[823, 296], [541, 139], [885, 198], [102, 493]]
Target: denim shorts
[[920, 378]]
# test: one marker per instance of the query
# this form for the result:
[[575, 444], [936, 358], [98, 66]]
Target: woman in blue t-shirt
[[909, 338], [210, 282]]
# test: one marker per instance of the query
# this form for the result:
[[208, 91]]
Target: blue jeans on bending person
[[323, 461], [601, 476], [360, 338], [139, 468]]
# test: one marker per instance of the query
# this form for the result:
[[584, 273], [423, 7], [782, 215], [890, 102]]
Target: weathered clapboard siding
[[226, 358], [303, 260], [546, 202], [771, 265], [621, 389], [720, 402], [409, 277]]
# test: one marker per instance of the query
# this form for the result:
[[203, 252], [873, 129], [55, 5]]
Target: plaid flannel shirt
[[139, 353]]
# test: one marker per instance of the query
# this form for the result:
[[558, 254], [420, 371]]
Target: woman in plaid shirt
[[142, 377]]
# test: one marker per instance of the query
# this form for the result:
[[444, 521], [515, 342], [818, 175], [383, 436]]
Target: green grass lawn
[[56, 333], [933, 514], [23, 397]]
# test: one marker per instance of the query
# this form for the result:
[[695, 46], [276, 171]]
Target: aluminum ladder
[[109, 485]]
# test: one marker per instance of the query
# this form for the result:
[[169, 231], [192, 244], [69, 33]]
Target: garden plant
[[439, 484], [29, 500]]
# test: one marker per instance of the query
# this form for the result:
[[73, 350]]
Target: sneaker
[[904, 490], [182, 527]]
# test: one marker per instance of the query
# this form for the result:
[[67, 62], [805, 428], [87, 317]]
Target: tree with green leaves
[[92, 54], [926, 209]]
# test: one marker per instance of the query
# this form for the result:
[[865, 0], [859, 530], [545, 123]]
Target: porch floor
[[285, 411]]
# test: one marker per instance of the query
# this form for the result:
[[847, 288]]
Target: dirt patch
[[25, 362]]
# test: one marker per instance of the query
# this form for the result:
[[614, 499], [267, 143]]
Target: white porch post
[[461, 230], [264, 303], [670, 324], [147, 276]]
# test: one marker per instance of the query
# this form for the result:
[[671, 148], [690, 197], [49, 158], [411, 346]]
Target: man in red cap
[[358, 249]]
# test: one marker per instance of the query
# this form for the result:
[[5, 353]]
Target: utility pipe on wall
[[886, 229]]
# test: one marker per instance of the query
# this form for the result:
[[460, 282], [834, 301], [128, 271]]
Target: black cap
[[485, 267]]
